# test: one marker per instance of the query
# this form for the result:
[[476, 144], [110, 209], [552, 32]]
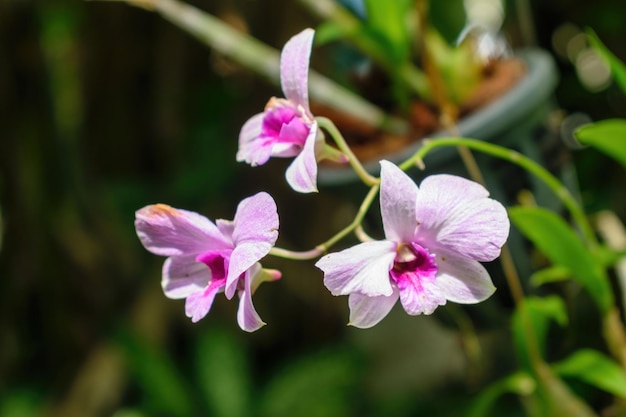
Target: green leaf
[[519, 383], [556, 239], [531, 321], [595, 369], [388, 19], [608, 136], [551, 274], [316, 386], [617, 67], [158, 377], [223, 374]]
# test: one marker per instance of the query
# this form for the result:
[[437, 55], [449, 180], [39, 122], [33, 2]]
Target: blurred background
[[105, 108]]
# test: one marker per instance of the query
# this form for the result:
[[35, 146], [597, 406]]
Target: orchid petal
[[363, 268], [183, 276], [398, 193], [247, 317], [253, 149], [166, 231], [302, 173], [463, 280], [199, 303], [455, 215], [366, 312], [254, 234], [294, 68], [420, 296]]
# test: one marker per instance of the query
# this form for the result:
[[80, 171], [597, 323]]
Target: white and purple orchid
[[287, 128], [205, 258], [436, 235]]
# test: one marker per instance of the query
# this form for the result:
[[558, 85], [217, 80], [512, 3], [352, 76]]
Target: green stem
[[332, 130], [321, 248], [524, 162]]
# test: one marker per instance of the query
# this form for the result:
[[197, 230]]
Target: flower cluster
[[436, 234]]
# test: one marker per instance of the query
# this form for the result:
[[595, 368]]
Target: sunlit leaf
[[531, 322], [618, 68], [595, 369], [556, 239], [388, 19], [608, 136], [223, 374], [551, 274]]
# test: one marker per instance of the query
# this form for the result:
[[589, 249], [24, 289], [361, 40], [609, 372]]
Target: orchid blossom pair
[[435, 234]]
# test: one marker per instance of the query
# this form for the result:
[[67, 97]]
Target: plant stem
[[265, 60], [323, 247], [332, 130], [524, 162]]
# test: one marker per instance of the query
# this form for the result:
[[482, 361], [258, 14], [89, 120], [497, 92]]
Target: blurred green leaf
[[223, 374], [316, 386], [388, 20], [519, 383], [595, 369], [617, 67], [21, 403], [608, 136], [327, 32], [531, 321], [551, 274], [556, 239], [158, 377]]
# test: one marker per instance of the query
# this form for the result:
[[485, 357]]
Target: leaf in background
[[23, 402], [608, 136], [556, 239], [595, 369], [618, 69], [316, 386], [165, 389], [534, 315], [388, 20], [223, 374], [519, 383], [556, 273]]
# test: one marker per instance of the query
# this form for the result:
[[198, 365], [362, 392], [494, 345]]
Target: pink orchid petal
[[294, 68], [363, 268], [247, 317], [255, 232], [198, 304], [226, 228], [366, 312], [166, 231], [183, 276], [398, 193], [252, 149], [421, 297], [455, 215], [463, 280], [302, 173]]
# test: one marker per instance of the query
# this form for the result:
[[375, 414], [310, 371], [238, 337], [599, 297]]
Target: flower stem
[[524, 162], [332, 130], [323, 247]]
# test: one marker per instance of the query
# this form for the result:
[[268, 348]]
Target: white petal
[[463, 280], [366, 312], [294, 68], [302, 173], [247, 317], [183, 276], [398, 194], [363, 268]]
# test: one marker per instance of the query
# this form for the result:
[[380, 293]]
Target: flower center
[[217, 263], [284, 123], [413, 263]]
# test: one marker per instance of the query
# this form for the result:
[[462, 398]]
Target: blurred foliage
[[106, 108]]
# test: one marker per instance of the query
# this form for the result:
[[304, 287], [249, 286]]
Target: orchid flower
[[206, 258], [287, 128], [436, 235]]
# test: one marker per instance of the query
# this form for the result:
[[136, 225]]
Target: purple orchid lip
[[436, 235], [206, 258]]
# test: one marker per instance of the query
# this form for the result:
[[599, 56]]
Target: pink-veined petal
[[463, 280], [166, 231], [366, 312], [294, 68], [198, 304], [183, 276], [454, 214], [398, 194], [302, 173], [420, 298], [363, 268], [252, 149], [247, 317], [255, 232]]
